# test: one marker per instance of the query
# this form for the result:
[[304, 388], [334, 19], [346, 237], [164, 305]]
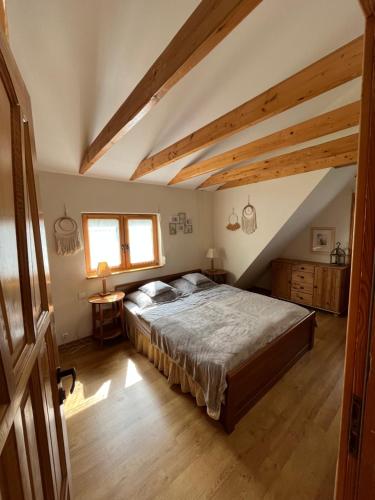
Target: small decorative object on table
[[217, 275], [107, 323], [211, 254], [103, 271], [337, 256]]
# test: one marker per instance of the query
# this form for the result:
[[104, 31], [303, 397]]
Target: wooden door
[[281, 279], [355, 471], [33, 453]]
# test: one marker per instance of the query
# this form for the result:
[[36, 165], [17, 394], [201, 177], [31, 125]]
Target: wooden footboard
[[253, 378]]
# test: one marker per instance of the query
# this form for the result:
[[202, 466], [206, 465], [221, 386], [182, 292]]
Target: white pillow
[[183, 286], [139, 298], [169, 296], [196, 278], [155, 288]]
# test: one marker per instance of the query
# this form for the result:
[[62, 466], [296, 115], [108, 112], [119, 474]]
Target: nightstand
[[217, 275], [107, 316]]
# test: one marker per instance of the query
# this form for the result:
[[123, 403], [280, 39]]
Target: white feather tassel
[[249, 219]]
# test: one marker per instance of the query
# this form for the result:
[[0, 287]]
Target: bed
[[225, 346]]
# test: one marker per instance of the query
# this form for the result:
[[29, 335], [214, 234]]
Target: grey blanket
[[211, 332]]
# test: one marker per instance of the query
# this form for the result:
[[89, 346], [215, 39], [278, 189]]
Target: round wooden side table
[[107, 322]]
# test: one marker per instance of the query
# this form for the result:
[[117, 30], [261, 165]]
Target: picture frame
[[189, 221], [180, 227], [182, 218], [174, 219], [188, 229], [172, 228], [322, 239]]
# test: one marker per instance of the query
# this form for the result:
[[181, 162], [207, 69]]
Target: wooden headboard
[[131, 287]]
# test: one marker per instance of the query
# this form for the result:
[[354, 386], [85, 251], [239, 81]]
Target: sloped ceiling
[[81, 59]]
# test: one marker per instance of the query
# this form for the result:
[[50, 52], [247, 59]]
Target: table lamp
[[103, 271], [211, 254]]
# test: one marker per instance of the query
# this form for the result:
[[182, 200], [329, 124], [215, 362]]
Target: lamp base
[[104, 293]]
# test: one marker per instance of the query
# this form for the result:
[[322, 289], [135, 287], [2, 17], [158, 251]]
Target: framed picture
[[174, 219], [181, 218], [172, 228], [189, 221], [180, 227], [188, 229], [322, 239]]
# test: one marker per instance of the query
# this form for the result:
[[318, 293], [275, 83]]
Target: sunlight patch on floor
[[77, 401], [132, 375]]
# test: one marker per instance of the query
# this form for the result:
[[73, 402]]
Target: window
[[124, 241]]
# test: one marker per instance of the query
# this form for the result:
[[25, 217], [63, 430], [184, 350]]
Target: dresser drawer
[[304, 268], [302, 277], [298, 286], [301, 298]]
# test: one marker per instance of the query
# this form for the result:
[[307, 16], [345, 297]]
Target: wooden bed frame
[[252, 379]]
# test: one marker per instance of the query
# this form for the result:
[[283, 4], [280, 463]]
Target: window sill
[[125, 271]]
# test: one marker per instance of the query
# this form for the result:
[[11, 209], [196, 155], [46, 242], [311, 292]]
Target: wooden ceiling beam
[[208, 25], [267, 173], [327, 123], [294, 159], [340, 66]]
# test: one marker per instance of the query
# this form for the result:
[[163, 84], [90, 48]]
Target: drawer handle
[[302, 268], [302, 277]]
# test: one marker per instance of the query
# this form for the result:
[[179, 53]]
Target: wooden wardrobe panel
[[30, 438], [49, 409], [10, 471], [33, 268], [11, 302], [33, 456]]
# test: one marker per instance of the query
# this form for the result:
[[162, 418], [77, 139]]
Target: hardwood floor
[[131, 436]]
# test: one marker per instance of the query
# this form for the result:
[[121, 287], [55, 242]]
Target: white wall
[[275, 202], [81, 194], [337, 215]]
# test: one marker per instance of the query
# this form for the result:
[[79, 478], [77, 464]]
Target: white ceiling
[[81, 59]]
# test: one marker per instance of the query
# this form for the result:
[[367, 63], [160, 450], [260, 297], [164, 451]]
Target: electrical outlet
[[65, 336]]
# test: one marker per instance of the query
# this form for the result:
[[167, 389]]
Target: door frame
[[354, 476]]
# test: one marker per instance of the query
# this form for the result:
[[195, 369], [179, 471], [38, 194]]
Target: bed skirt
[[174, 373]]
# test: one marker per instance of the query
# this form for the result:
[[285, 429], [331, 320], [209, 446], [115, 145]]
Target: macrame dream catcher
[[249, 218], [233, 223], [68, 241]]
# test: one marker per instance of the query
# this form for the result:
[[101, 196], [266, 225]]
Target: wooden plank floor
[[131, 436]]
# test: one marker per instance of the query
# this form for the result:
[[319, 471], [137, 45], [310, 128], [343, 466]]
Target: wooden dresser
[[314, 284]]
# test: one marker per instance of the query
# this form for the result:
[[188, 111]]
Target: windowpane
[[104, 240], [141, 241]]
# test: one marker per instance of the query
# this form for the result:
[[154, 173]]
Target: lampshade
[[103, 270], [211, 253]]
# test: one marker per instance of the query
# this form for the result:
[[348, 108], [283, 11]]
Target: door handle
[[69, 372]]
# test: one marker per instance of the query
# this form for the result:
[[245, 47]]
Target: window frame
[[123, 219]]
